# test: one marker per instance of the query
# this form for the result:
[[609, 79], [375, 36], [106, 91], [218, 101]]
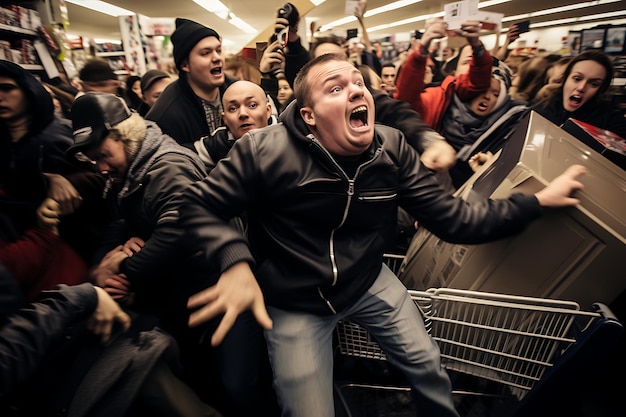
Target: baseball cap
[[150, 77], [93, 115]]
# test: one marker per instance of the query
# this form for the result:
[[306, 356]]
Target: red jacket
[[432, 102], [40, 260]]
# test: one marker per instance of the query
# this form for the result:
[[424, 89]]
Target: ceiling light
[[215, 7], [235, 21], [404, 22], [317, 2], [558, 10], [398, 5], [218, 8], [102, 7], [389, 7], [373, 12], [567, 21]]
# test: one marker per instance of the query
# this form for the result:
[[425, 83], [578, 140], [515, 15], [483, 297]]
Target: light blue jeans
[[301, 351]]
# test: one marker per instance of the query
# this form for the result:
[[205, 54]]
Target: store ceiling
[[261, 15]]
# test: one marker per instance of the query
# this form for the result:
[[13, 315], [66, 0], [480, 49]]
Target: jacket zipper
[[350, 194]]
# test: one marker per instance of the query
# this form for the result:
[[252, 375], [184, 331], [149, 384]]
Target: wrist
[[478, 49]]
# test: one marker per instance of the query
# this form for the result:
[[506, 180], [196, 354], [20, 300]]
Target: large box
[[575, 253]]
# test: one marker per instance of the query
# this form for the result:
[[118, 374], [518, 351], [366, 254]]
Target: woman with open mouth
[[584, 94]]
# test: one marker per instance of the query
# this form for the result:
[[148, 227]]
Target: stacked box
[[35, 19], [16, 56], [8, 17], [29, 55], [22, 19], [5, 50]]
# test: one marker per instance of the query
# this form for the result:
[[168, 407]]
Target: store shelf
[[18, 30], [32, 67]]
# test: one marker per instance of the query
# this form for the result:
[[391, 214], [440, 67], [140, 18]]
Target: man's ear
[[184, 66], [307, 115], [269, 111]]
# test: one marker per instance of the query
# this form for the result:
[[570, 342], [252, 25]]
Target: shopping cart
[[510, 340]]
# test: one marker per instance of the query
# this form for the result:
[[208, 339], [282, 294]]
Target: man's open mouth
[[358, 117]]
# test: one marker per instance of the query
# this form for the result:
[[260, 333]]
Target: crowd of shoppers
[[219, 227]]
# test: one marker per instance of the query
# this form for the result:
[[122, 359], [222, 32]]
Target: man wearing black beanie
[[190, 107]]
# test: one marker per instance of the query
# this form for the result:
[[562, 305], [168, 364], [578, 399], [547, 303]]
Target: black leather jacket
[[317, 234]]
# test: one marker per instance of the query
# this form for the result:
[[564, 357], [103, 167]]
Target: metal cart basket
[[512, 340]]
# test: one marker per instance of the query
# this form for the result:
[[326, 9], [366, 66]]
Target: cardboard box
[[605, 142], [574, 253], [5, 50]]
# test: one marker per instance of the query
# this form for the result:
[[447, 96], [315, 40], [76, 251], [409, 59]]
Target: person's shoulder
[[56, 134], [180, 161], [392, 140], [168, 98], [275, 130], [271, 138], [388, 133]]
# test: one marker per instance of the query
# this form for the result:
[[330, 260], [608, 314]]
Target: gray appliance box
[[576, 253]]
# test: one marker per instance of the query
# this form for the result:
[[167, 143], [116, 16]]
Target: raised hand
[[106, 314], [48, 215], [63, 192], [558, 193], [236, 291]]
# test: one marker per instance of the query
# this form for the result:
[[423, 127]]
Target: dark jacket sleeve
[[295, 58], [209, 208], [168, 177], [399, 114], [451, 218], [27, 334]]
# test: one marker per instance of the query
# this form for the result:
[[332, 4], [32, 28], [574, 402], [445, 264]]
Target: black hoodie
[[42, 150]]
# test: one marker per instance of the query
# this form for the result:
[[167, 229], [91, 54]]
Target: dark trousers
[[164, 394], [235, 376]]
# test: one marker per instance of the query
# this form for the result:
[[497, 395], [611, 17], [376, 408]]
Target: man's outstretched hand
[[236, 291], [558, 193]]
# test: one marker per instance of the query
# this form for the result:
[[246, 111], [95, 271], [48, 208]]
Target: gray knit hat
[[187, 34], [501, 72]]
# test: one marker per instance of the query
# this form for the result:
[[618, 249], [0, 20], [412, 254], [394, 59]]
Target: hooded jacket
[[316, 235], [146, 200], [23, 163], [179, 112], [23, 185]]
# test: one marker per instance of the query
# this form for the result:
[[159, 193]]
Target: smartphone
[[523, 26]]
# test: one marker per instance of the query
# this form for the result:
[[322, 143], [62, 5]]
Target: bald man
[[246, 107]]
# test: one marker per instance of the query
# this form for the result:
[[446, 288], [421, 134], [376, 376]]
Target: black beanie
[[187, 34]]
